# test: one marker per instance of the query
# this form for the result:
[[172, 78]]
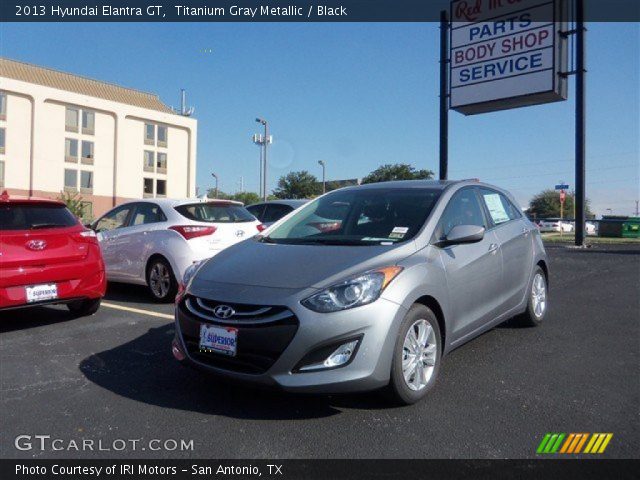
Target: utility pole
[[216, 190], [265, 144], [637, 212], [444, 97], [324, 184], [580, 123]]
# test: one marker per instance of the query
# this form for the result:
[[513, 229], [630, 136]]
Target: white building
[[62, 132]]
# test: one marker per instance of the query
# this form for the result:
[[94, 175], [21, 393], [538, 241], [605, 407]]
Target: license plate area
[[222, 340], [41, 293]]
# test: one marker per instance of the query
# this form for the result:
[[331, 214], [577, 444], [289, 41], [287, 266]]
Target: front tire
[[538, 301], [84, 308], [161, 280], [416, 357]]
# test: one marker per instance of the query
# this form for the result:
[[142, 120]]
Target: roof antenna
[[184, 110]]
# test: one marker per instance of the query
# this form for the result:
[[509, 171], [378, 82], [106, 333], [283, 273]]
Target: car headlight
[[190, 272], [353, 292]]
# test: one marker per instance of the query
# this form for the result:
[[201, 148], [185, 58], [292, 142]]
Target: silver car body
[[470, 287]]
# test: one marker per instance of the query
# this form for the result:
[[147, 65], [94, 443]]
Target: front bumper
[[303, 331]]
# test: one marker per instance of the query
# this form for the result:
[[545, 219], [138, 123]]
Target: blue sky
[[357, 96]]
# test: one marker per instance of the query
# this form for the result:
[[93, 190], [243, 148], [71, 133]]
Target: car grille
[[264, 332]]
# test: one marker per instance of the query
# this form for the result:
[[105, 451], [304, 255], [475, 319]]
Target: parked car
[[272, 211], [414, 270], [591, 228], [47, 257], [152, 242], [555, 225]]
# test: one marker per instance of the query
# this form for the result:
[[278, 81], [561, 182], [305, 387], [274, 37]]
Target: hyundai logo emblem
[[224, 311], [36, 244], [239, 233]]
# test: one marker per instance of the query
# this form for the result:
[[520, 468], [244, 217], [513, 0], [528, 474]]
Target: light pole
[[265, 143], [216, 190], [324, 184]]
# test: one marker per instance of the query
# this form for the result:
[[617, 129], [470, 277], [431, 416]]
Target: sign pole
[[444, 98], [580, 123]]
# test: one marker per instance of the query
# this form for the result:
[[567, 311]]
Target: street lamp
[[265, 143], [216, 190], [324, 167]]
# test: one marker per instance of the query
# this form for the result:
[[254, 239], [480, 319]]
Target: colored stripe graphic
[[574, 442]]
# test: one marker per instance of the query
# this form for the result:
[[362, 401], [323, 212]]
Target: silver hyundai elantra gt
[[363, 288]]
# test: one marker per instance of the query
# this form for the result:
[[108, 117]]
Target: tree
[[74, 203], [247, 198], [546, 204], [398, 171], [300, 184]]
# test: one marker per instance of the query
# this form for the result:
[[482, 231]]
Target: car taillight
[[193, 231], [261, 227], [87, 236]]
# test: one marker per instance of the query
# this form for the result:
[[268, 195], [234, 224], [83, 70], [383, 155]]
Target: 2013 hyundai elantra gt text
[[363, 288]]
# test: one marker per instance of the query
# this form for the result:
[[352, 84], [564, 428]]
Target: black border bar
[[579, 469], [304, 10]]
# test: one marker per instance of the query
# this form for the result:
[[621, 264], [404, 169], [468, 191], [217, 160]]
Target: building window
[[3, 106], [162, 136], [71, 120], [147, 187], [161, 188], [70, 180], [88, 122], [70, 150], [86, 181], [1, 174], [162, 162], [2, 139], [148, 161], [149, 134], [87, 153]]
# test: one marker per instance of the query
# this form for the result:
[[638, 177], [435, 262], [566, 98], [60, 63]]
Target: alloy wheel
[[419, 354], [159, 280], [539, 295]]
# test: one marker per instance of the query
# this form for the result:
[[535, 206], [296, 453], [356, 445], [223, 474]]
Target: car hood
[[296, 266]]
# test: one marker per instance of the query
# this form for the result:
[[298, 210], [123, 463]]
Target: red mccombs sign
[[506, 54]]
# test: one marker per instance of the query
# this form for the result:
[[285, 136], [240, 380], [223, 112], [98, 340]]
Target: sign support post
[[444, 97], [579, 199]]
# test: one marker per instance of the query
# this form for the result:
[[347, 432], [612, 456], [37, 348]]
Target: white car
[[555, 225], [152, 242]]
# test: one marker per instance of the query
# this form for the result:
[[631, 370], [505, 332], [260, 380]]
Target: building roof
[[48, 77]]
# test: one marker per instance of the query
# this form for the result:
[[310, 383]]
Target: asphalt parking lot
[[112, 376]]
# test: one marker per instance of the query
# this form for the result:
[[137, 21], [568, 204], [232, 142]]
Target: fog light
[[177, 351], [339, 357]]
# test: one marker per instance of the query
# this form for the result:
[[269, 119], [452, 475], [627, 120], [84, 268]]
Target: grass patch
[[570, 238]]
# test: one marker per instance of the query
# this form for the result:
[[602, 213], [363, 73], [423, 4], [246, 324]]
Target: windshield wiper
[[329, 241], [266, 240], [37, 226]]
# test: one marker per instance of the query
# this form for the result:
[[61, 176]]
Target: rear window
[[17, 216], [215, 213]]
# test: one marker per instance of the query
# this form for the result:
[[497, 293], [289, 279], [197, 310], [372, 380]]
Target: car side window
[[147, 213], [257, 211], [463, 209], [275, 212], [115, 219], [500, 208]]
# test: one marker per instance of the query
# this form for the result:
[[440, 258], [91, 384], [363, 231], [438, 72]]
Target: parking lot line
[[137, 310]]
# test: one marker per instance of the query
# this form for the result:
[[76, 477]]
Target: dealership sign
[[506, 54]]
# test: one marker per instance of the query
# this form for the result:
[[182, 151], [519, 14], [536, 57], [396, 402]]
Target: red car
[[47, 256]]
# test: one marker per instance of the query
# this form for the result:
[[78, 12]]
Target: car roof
[[290, 202], [6, 198], [432, 184], [175, 202]]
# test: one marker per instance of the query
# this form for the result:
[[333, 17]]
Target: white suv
[[152, 242]]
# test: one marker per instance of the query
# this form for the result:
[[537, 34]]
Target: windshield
[[215, 213], [358, 217], [32, 216]]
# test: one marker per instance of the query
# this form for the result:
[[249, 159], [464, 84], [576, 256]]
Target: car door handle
[[525, 231], [493, 248]]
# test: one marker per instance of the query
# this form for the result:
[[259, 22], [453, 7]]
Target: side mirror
[[463, 234]]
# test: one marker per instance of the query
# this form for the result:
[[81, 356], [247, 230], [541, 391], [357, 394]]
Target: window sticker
[[496, 208], [398, 232]]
